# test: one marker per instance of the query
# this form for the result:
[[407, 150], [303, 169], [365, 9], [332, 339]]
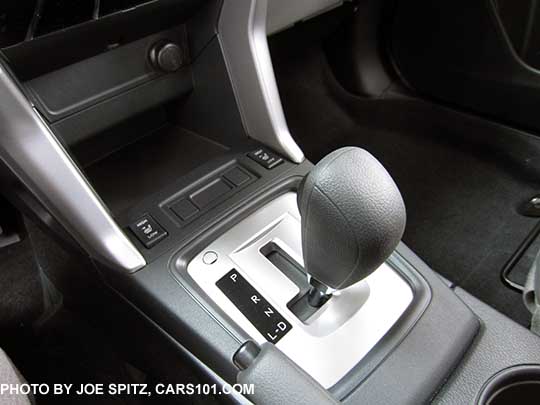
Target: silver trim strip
[[242, 35], [330, 343], [32, 152]]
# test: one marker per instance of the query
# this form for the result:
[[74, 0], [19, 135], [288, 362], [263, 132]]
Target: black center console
[[163, 154]]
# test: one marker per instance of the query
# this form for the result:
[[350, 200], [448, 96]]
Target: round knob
[[353, 217], [167, 57]]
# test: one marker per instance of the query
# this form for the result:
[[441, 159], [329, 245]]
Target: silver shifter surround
[[341, 333]]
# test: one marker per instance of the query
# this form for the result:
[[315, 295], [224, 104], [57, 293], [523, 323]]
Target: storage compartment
[[39, 37], [25, 20], [515, 385], [134, 129], [124, 178], [138, 163], [122, 75]]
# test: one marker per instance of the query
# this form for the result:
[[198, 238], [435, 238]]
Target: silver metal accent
[[284, 13], [330, 343], [32, 152], [242, 36]]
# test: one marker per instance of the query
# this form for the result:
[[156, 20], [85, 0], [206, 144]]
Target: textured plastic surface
[[428, 353], [501, 343], [353, 217], [280, 381]]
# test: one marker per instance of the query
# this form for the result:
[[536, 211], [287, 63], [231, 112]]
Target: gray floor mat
[[21, 298]]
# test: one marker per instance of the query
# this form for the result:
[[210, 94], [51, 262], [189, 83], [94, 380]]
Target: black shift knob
[[353, 217]]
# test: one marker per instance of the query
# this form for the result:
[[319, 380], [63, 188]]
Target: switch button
[[148, 231], [265, 158]]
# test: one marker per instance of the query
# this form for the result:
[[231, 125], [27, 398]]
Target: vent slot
[[24, 20]]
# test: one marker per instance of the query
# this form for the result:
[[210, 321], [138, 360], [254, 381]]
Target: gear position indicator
[[252, 304]]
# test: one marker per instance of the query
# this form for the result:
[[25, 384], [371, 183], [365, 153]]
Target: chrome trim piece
[[330, 343], [32, 152], [242, 36]]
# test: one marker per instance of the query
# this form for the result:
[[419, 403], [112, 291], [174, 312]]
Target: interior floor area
[[68, 350], [51, 341], [20, 287], [461, 196]]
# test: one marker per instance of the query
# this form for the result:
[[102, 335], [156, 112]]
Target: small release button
[[210, 257]]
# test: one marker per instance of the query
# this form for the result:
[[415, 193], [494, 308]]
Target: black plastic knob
[[353, 217], [167, 57]]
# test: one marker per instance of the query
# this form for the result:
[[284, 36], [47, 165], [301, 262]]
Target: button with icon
[[148, 231], [265, 158]]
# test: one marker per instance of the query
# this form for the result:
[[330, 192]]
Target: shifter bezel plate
[[330, 343]]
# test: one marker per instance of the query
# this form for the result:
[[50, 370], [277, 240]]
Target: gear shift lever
[[353, 217]]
